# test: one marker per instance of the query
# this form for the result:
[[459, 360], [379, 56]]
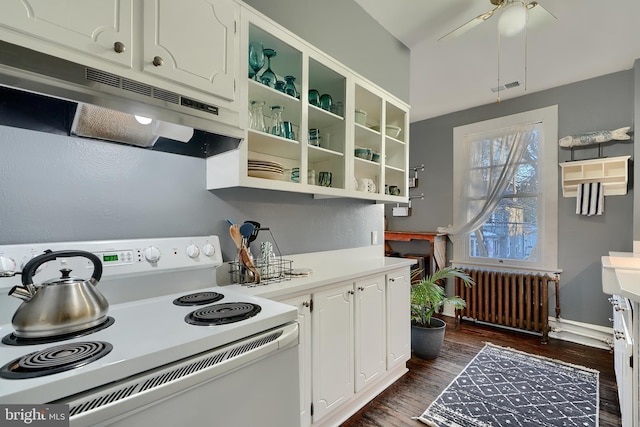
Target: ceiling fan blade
[[469, 25], [538, 16]]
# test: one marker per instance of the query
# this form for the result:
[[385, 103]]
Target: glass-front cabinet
[[326, 132], [313, 125]]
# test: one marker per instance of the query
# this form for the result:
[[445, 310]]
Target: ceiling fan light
[[513, 19]]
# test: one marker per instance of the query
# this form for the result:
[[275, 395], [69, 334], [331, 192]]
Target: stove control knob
[[209, 250], [152, 254], [193, 251], [7, 266]]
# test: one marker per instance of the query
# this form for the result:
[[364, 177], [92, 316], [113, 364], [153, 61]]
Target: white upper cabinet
[[98, 28], [189, 47], [321, 152], [192, 42]]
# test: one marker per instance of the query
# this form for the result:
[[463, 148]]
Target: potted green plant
[[428, 297]]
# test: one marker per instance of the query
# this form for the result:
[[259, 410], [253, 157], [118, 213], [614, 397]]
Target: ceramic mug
[[363, 184], [394, 190], [324, 179]]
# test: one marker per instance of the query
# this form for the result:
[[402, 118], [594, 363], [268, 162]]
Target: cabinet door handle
[[158, 61], [392, 279], [305, 304], [351, 292], [619, 335], [119, 47], [360, 288]]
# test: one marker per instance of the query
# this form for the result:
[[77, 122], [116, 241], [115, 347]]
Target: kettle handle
[[33, 264]]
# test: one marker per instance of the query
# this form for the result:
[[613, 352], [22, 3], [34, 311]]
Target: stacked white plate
[[265, 169]]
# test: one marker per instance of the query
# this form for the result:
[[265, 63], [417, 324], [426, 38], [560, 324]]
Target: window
[[505, 184]]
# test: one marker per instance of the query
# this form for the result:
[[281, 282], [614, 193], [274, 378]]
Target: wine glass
[[272, 79], [256, 58]]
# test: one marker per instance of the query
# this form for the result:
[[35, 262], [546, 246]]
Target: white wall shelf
[[339, 133], [612, 172]]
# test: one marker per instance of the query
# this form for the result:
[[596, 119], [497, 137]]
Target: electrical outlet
[[374, 237]]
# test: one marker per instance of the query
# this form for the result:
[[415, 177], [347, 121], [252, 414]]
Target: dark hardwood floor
[[426, 379]]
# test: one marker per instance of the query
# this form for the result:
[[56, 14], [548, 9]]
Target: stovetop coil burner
[[223, 313], [54, 360], [13, 339], [199, 298]]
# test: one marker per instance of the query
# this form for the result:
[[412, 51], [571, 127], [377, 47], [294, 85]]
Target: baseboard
[[581, 333], [568, 330]]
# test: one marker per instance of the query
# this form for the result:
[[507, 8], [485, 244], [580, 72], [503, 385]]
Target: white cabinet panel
[[304, 355], [87, 27], [332, 332], [398, 318], [194, 43], [370, 331]]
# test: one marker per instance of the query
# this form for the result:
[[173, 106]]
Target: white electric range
[[154, 364]]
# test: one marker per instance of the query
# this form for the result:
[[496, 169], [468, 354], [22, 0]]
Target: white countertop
[[621, 274], [328, 267]]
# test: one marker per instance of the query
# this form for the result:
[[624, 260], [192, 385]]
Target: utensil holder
[[273, 269]]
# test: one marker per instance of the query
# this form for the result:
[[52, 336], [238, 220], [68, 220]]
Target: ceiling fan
[[516, 14]]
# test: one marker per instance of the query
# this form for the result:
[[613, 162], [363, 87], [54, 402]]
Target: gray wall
[[342, 29], [56, 188], [603, 103]]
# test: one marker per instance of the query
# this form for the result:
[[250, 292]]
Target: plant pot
[[427, 342]]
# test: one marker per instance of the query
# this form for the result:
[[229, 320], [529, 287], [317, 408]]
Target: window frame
[[548, 172]]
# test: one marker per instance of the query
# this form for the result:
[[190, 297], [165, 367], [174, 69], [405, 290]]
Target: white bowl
[[392, 131], [361, 117]]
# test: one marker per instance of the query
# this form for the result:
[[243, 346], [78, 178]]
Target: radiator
[[514, 299]]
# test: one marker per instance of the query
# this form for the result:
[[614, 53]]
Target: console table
[[438, 241]]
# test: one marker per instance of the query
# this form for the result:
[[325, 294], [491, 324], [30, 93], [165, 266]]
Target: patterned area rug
[[506, 387]]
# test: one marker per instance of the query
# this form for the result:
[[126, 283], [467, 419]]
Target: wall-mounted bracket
[[413, 180]]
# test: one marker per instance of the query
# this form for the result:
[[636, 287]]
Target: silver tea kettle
[[58, 306]]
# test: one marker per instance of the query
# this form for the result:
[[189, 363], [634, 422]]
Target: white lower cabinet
[[398, 318], [370, 331], [354, 342], [625, 339], [303, 303], [332, 345]]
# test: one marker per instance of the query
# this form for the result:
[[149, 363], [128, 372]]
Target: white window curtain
[[481, 194]]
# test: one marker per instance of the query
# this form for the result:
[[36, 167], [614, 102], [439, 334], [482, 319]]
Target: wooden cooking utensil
[[234, 231], [245, 260]]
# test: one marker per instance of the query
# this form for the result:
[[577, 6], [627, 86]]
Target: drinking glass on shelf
[[276, 120], [325, 102], [257, 116], [290, 87], [256, 58], [269, 53]]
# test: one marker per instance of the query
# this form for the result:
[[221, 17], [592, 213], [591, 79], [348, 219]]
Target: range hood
[[100, 105]]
